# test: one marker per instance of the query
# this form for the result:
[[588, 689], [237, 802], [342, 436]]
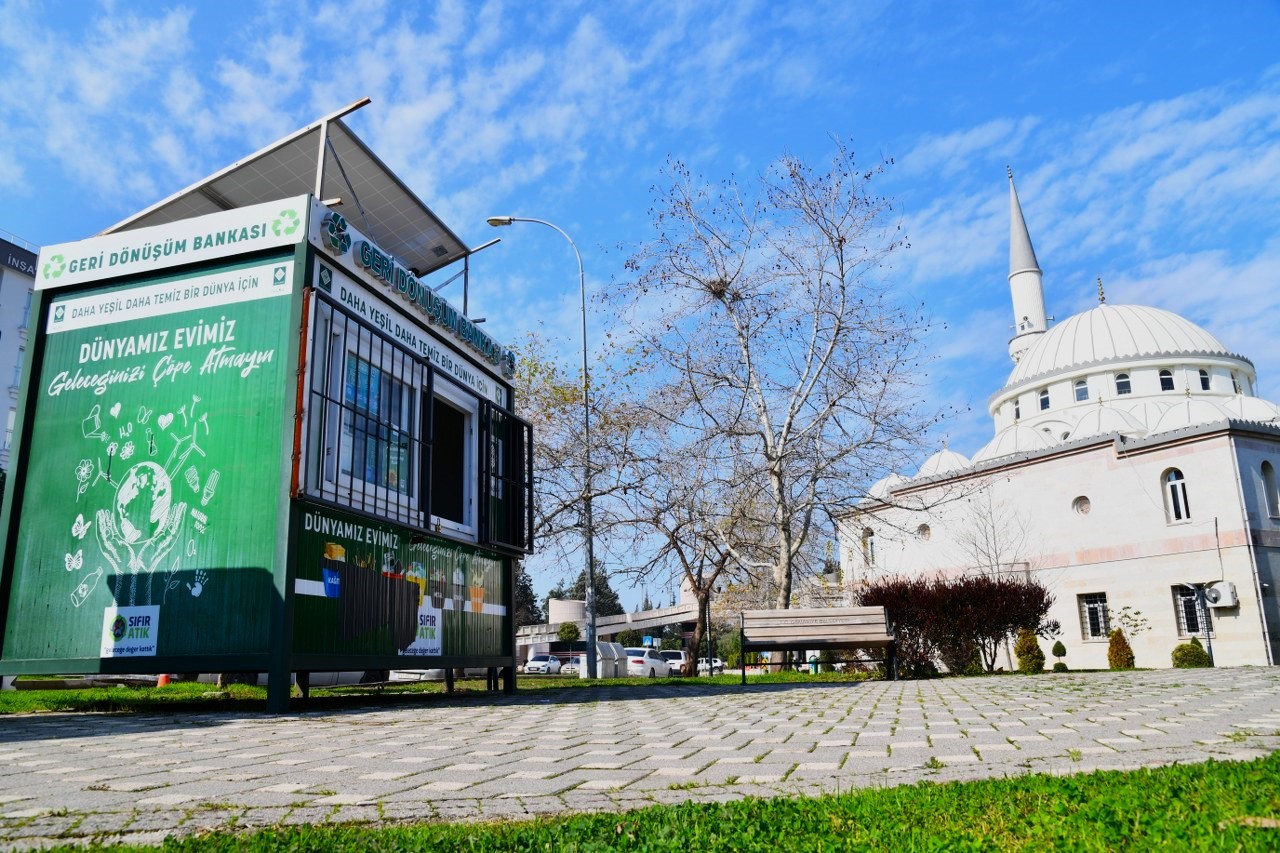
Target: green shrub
[[1030, 655], [569, 632], [1059, 650], [1190, 656], [1119, 652], [1060, 667]]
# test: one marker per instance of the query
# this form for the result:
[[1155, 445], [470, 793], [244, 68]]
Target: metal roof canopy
[[329, 161]]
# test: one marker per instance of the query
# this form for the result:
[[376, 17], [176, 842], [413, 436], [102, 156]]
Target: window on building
[[1082, 391], [391, 437], [8, 430], [1017, 410], [1082, 505], [923, 532], [1175, 496], [1044, 399], [868, 546], [1166, 380], [1235, 383], [1122, 383], [1095, 621], [1204, 380], [1269, 490], [1192, 618]]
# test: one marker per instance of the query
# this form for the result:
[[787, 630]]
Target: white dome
[[943, 462], [1101, 420], [882, 487], [1011, 440], [1251, 409], [1111, 332], [1189, 413]]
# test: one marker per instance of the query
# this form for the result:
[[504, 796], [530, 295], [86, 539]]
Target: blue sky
[[1145, 136]]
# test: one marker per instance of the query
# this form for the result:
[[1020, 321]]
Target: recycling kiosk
[[255, 439]]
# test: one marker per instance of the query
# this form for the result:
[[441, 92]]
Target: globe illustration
[[142, 502]]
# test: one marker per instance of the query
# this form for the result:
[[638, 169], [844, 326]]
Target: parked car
[[574, 665], [646, 662], [717, 667], [542, 665], [679, 661]]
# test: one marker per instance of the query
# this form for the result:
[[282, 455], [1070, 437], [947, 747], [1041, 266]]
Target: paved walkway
[[139, 778]]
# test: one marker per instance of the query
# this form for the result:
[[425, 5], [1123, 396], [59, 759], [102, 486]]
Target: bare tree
[[766, 329], [993, 536], [550, 397]]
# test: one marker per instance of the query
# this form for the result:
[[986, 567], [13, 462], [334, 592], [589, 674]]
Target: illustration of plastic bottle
[[81, 592]]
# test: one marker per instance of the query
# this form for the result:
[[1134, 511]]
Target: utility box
[[256, 440]]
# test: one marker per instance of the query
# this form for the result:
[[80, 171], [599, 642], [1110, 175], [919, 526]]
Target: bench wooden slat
[[818, 611], [817, 629]]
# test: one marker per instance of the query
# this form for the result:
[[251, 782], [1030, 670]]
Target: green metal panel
[[365, 587], [150, 507]]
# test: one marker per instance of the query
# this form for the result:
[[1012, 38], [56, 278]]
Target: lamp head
[[497, 221]]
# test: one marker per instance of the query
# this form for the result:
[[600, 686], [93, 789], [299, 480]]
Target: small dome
[[1011, 440], [1111, 332], [943, 462], [1189, 413], [882, 487], [1251, 409], [1101, 420]]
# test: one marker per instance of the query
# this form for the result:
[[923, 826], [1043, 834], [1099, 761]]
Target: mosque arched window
[[1175, 496], [1082, 390], [869, 546], [1269, 487], [1166, 380], [1235, 383], [1204, 380], [1017, 409], [1044, 399], [1122, 383]]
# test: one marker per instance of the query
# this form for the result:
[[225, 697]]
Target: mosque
[[1132, 471]]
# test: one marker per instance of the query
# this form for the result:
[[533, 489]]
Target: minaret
[[1029, 319]]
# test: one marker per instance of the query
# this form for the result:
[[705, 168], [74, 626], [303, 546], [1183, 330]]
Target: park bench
[[819, 629]]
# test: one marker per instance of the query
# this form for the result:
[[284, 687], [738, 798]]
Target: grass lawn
[[1212, 806], [192, 696]]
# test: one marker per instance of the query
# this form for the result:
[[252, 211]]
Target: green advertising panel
[[151, 493], [365, 587]]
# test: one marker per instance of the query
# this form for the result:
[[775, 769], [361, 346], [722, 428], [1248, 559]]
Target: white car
[[542, 665], [646, 662], [679, 661], [717, 667], [575, 665]]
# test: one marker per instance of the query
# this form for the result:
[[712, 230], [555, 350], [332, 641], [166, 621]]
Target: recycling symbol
[[55, 266], [335, 234], [286, 224]]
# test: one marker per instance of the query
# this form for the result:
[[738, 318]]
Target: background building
[[17, 277], [1131, 466]]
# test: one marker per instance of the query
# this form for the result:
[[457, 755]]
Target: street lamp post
[[588, 529]]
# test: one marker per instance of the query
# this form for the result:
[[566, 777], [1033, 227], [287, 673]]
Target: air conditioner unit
[[1221, 594]]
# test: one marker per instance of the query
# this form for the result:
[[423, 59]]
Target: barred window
[[1095, 621], [1122, 384], [390, 436], [1189, 614]]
